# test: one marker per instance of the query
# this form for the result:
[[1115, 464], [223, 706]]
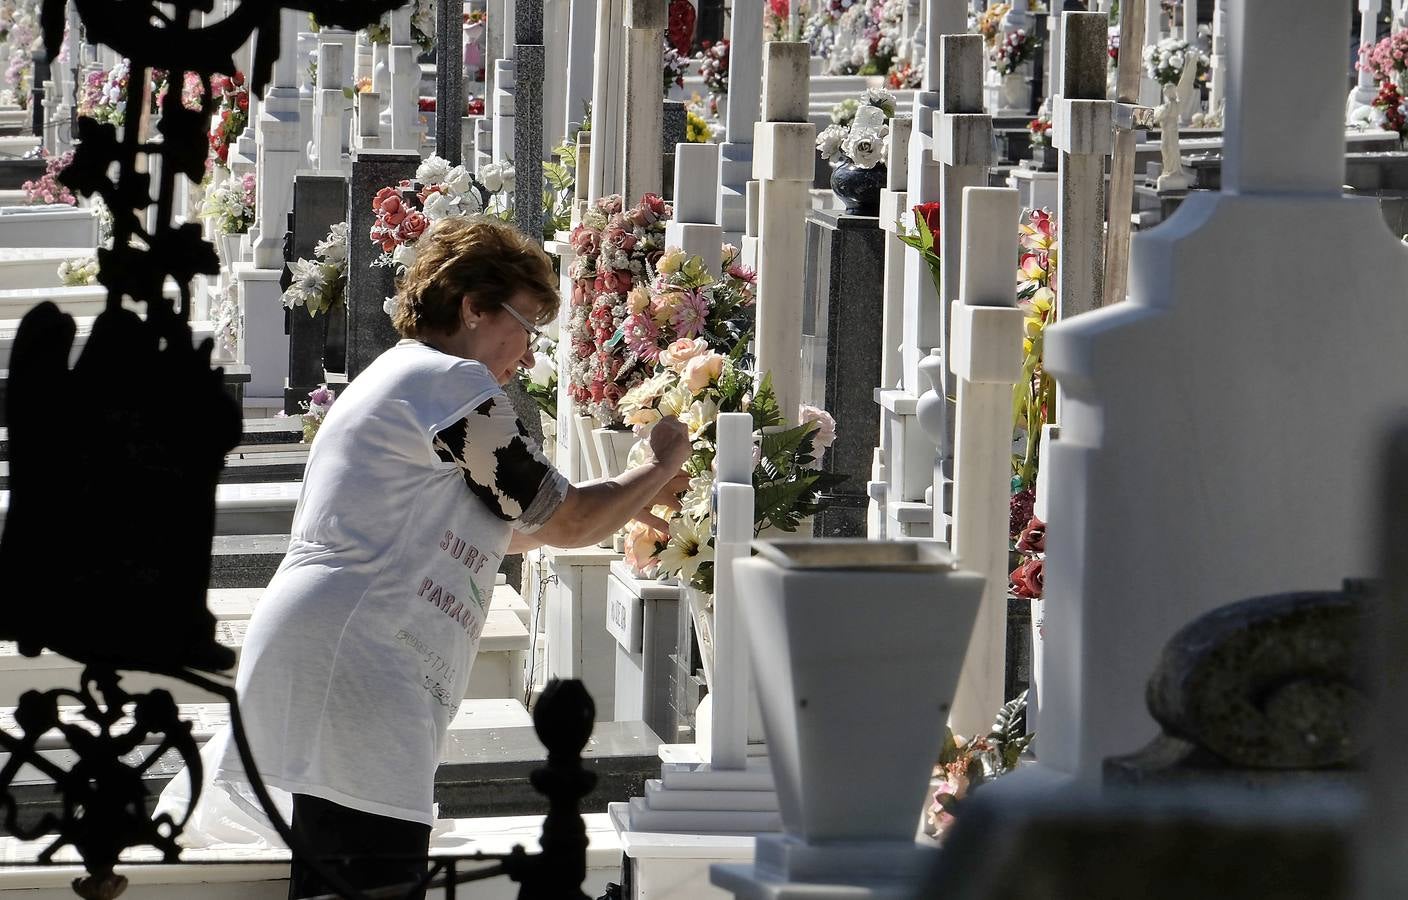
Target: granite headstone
[[369, 330], [841, 338], [319, 201]]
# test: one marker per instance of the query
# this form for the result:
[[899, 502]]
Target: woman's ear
[[469, 316]]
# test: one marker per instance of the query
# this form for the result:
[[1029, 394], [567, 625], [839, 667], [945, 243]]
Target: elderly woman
[[420, 480]]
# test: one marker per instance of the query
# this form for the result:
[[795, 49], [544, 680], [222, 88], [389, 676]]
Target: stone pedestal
[[841, 343], [569, 588], [369, 330], [264, 343], [319, 201], [643, 617]]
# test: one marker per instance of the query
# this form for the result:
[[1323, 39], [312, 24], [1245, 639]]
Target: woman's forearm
[[593, 511]]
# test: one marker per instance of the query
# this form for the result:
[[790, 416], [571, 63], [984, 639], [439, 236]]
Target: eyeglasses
[[535, 334]]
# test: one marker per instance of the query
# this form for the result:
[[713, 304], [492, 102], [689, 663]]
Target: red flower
[[1033, 537], [243, 100], [929, 212], [427, 104], [238, 78], [413, 226], [1029, 579], [475, 107]]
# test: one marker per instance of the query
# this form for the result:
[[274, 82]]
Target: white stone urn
[[613, 447], [1016, 93], [856, 649]]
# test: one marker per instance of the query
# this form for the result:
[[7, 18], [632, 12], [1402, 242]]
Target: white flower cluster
[[498, 177], [318, 284], [449, 191], [226, 321], [865, 141], [79, 272], [1166, 60]]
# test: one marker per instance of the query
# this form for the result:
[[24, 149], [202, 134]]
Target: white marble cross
[[644, 100], [733, 536], [783, 146], [1220, 430], [985, 355]]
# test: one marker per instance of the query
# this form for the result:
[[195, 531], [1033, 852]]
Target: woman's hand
[[669, 441], [668, 497]]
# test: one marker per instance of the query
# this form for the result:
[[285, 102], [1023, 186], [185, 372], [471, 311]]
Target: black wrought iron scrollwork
[[104, 799]]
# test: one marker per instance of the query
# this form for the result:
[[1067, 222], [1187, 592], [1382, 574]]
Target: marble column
[[528, 61], [641, 161]]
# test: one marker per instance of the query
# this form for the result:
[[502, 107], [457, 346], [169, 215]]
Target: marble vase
[[857, 647], [859, 187]]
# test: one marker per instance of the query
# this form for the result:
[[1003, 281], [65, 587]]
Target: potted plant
[[857, 140]]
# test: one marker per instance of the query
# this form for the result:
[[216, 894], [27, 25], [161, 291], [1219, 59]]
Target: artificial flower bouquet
[[1165, 61], [925, 239], [859, 132], [696, 384], [320, 284], [404, 212], [229, 204], [231, 115], [422, 26], [47, 189], [615, 250], [315, 409], [1015, 49], [79, 272]]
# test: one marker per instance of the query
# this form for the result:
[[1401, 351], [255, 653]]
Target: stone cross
[[733, 536], [307, 53], [1159, 505], [1131, 83], [902, 462], [783, 163], [694, 228], [607, 122], [529, 60], [403, 108], [581, 37], [1385, 819], [1217, 82], [330, 125], [745, 61], [450, 97], [963, 145], [985, 355], [279, 151], [1361, 96], [641, 159], [1082, 133]]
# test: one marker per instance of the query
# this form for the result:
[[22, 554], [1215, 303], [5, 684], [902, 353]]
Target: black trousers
[[329, 830]]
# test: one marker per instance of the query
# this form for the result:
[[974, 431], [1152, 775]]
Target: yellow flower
[[690, 544], [675, 401], [639, 298], [670, 263], [701, 415]]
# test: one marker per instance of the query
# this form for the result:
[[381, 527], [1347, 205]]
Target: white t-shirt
[[359, 651]]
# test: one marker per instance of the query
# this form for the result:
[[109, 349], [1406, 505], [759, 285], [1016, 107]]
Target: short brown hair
[[484, 258]]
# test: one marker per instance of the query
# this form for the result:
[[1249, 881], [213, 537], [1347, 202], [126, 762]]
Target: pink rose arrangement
[[1388, 59], [406, 210], [694, 330], [615, 250], [47, 189], [965, 765]]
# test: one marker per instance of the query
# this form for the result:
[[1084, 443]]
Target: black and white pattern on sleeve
[[502, 464]]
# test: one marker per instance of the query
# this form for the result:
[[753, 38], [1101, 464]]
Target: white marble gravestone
[[1219, 430]]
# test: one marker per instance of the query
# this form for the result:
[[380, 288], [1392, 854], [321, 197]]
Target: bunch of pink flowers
[[615, 250], [47, 189], [1387, 59]]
